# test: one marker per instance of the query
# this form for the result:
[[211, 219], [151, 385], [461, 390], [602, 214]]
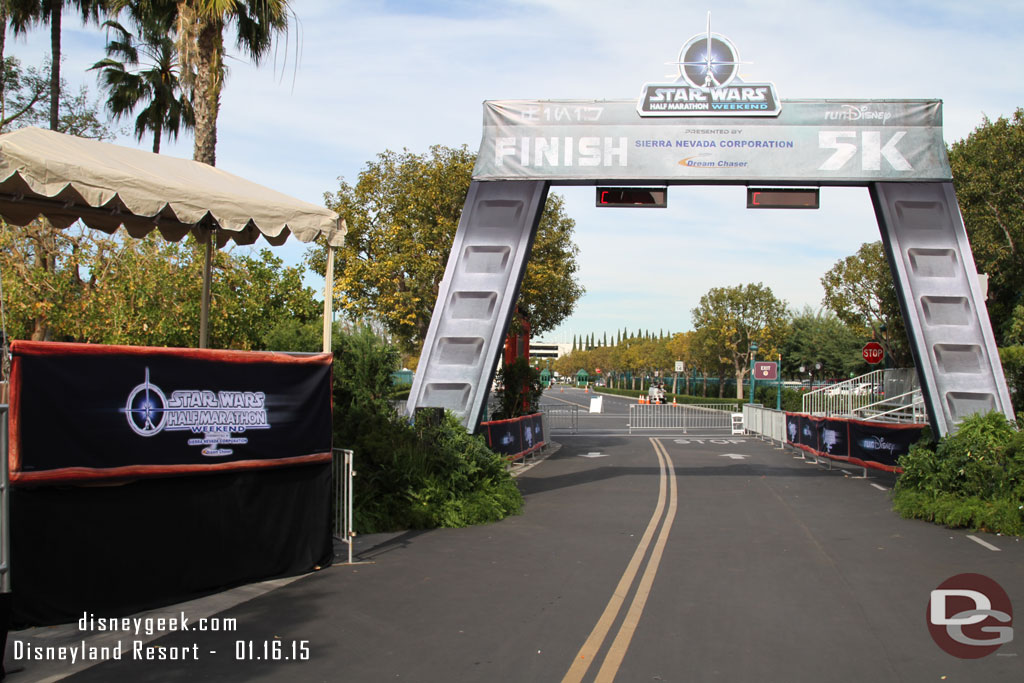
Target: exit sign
[[766, 370]]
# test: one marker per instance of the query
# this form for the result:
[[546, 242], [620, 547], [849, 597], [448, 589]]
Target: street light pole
[[753, 355]]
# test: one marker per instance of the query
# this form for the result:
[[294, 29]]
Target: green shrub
[[410, 476], [1012, 358], [973, 478], [520, 390], [767, 394]]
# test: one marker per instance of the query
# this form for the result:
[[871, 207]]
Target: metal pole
[[204, 310], [5, 509], [778, 379], [350, 534], [753, 354], [328, 298]]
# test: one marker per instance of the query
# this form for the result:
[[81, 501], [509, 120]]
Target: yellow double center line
[[596, 639]]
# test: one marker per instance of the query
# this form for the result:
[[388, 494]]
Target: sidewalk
[[54, 665]]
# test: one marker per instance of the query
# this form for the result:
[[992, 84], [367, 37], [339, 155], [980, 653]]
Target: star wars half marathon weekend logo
[[708, 84], [215, 415], [970, 616]]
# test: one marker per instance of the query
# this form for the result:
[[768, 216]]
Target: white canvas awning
[[66, 178]]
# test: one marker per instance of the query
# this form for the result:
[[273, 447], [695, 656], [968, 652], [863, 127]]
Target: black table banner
[[88, 411]]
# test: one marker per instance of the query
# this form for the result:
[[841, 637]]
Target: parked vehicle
[[656, 394]]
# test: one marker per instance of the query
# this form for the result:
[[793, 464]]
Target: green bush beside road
[[974, 478], [432, 474]]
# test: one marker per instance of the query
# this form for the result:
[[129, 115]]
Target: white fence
[[765, 422], [695, 416], [891, 395]]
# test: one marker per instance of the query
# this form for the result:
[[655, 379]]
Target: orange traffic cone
[[674, 401]]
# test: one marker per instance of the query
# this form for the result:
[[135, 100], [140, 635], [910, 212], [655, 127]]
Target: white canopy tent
[[66, 178]]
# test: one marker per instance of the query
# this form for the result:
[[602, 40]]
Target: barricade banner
[[793, 429], [809, 432], [505, 437], [533, 433], [89, 411], [868, 444], [872, 442], [834, 439], [516, 437]]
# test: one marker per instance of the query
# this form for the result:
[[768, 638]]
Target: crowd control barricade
[[561, 416], [766, 423], [515, 438], [705, 417], [341, 505], [875, 445]]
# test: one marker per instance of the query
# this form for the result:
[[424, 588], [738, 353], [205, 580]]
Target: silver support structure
[[477, 296], [942, 303]]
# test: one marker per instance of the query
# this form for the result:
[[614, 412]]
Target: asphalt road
[[637, 558]]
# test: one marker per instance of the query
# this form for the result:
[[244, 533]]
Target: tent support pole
[[204, 310], [328, 298]]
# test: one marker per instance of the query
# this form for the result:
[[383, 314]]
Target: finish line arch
[[893, 147]]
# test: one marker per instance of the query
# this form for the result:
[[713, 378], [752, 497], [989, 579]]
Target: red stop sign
[[873, 352]]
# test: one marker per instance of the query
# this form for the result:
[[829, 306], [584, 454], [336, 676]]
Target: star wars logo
[[708, 84], [214, 415]]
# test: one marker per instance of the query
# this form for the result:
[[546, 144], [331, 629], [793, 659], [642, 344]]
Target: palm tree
[[168, 108], [24, 14], [201, 25]]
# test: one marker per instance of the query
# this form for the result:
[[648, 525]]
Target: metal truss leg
[[942, 303], [477, 297]]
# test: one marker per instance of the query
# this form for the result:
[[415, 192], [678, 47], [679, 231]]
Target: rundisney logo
[[850, 112]]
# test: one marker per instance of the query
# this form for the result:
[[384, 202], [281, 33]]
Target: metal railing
[[892, 387], [341, 503], [561, 416], [5, 507], [684, 416], [908, 407], [766, 423]]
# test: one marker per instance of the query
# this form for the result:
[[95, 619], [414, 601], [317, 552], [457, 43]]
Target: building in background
[[545, 352]]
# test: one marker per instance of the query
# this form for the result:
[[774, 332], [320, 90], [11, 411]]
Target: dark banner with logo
[[833, 438], [873, 442], [533, 432], [869, 444], [793, 429], [85, 411], [505, 437], [808, 432], [516, 437]]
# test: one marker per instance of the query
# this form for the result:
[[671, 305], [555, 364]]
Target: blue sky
[[356, 78]]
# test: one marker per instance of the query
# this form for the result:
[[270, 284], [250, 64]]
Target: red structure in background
[[518, 344]]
